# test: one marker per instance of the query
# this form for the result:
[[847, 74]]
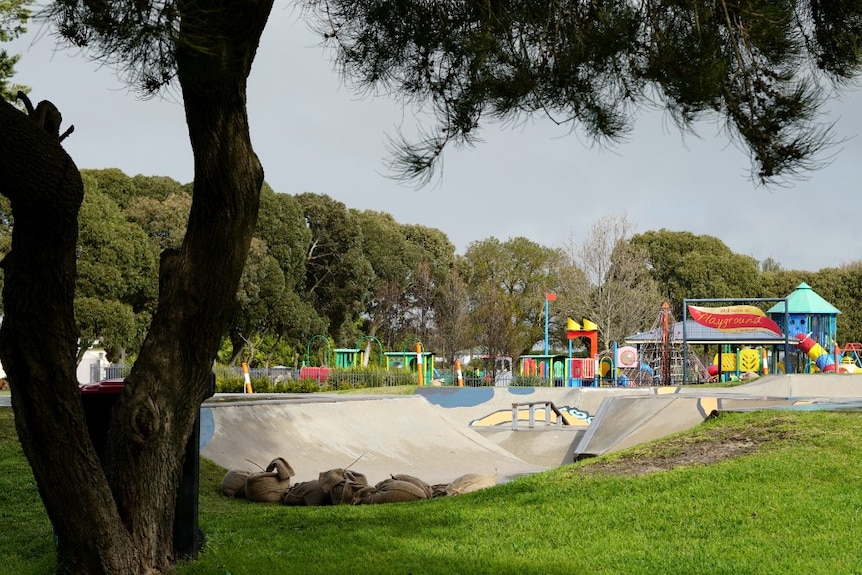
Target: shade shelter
[[682, 334], [664, 350]]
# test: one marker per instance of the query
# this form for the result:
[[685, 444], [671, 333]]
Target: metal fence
[[339, 379]]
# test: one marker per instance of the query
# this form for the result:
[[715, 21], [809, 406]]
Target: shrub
[[299, 386], [227, 382]]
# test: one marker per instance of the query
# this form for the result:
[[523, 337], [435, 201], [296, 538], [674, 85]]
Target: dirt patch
[[704, 448]]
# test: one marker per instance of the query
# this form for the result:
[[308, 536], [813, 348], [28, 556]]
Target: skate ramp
[[387, 434], [623, 422], [811, 386], [492, 406], [441, 433], [547, 447]]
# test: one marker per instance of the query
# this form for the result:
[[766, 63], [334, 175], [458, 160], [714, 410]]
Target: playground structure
[[796, 335], [812, 322], [561, 370], [419, 362], [804, 325], [660, 356]]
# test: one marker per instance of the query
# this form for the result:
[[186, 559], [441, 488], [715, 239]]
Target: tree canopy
[[14, 15], [590, 65]]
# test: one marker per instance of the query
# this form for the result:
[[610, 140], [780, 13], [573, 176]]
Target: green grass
[[26, 539], [793, 504]]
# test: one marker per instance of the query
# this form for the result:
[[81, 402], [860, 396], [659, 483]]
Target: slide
[[815, 351]]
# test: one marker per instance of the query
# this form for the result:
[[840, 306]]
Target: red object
[[318, 373], [732, 322], [108, 386], [551, 296]]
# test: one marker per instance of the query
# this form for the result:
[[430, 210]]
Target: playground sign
[[734, 318]]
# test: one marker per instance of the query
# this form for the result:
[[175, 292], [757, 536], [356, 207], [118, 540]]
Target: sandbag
[[426, 489], [439, 490], [341, 484], [470, 482], [233, 483], [307, 493], [331, 478], [281, 467], [389, 491], [269, 486]]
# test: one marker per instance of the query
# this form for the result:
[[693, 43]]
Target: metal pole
[[547, 311]]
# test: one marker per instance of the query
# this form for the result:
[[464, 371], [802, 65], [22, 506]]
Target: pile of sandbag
[[341, 486]]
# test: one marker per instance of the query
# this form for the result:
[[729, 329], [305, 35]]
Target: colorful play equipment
[[742, 361], [849, 358], [582, 371], [550, 367], [561, 370], [345, 358], [419, 362], [622, 366], [319, 374], [821, 358], [368, 340], [813, 320]]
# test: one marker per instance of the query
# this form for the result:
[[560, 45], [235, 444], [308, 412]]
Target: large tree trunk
[[38, 341], [121, 520]]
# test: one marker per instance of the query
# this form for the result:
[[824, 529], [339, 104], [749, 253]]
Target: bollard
[[419, 367], [458, 373], [247, 378]]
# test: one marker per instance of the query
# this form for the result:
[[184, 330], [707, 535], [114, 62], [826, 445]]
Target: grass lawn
[[765, 492]]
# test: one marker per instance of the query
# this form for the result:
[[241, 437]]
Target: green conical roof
[[805, 300]]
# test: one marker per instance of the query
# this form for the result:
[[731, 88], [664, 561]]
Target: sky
[[537, 180]]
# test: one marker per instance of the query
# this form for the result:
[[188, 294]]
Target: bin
[[98, 400]]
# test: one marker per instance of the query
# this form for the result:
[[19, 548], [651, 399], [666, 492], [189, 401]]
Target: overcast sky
[[313, 134]]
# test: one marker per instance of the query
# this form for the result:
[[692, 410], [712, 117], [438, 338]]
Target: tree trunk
[[121, 520]]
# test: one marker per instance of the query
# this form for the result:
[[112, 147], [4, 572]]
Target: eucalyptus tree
[[507, 283], [338, 276], [391, 258], [270, 311], [452, 316], [117, 268], [431, 268], [587, 64], [269, 306], [686, 265]]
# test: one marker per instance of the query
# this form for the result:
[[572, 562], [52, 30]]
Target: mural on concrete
[[572, 416]]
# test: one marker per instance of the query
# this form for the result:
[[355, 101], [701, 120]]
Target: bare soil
[[705, 448]]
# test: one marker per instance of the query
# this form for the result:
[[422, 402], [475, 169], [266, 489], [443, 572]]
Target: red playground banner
[[734, 318]]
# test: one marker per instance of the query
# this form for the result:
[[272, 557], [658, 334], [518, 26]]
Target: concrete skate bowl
[[443, 432], [375, 435]]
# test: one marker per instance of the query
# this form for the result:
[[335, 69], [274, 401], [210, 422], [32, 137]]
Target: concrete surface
[[441, 433], [378, 435]]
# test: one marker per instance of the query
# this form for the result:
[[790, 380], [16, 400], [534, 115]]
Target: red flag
[[551, 296]]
